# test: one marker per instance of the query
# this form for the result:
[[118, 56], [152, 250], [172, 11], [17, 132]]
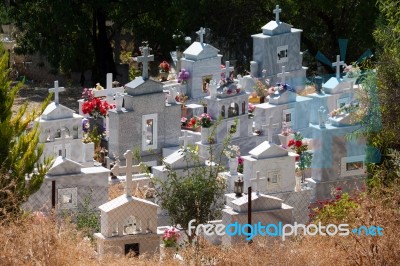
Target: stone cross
[[227, 69], [283, 76], [185, 138], [109, 92], [338, 64], [129, 169], [56, 90], [270, 127], [257, 180], [201, 33], [277, 10], [145, 59]]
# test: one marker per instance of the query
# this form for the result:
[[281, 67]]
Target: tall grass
[[36, 240]]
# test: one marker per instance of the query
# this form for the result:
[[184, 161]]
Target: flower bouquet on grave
[[204, 120], [304, 157], [240, 164], [183, 76], [96, 107], [170, 237], [169, 243], [164, 70]]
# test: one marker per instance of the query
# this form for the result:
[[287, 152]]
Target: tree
[[197, 193], [19, 149]]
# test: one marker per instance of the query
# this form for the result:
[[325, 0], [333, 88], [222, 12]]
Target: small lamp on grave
[[238, 187]]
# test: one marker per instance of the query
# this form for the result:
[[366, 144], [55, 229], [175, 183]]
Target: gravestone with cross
[[258, 181], [279, 45], [58, 124], [56, 91], [145, 59], [185, 139], [227, 70], [270, 128], [110, 93], [283, 76], [128, 170], [277, 10], [338, 65], [201, 33], [203, 63]]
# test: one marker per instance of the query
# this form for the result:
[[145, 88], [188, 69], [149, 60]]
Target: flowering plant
[[183, 76], [240, 165], [95, 107], [193, 122], [183, 121], [305, 157], [163, 67], [204, 120], [170, 237], [232, 151]]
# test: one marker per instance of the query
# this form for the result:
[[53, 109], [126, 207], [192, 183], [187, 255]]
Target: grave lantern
[[238, 187]]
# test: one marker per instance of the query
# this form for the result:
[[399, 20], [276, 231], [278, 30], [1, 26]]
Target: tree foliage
[[74, 35], [19, 149], [197, 192]]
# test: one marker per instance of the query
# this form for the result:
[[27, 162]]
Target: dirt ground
[[35, 96]]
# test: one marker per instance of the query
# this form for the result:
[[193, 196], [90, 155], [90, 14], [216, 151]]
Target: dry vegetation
[[34, 240]]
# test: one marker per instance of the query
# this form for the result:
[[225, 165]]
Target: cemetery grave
[[151, 117]]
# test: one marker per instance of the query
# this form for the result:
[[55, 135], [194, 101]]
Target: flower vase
[[167, 252], [233, 165], [285, 139], [205, 135]]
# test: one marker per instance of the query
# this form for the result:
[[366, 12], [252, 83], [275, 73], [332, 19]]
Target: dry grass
[[42, 241]]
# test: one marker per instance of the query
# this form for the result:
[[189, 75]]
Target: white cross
[[337, 64], [227, 69], [185, 138], [283, 76], [201, 32], [277, 10], [109, 92], [270, 127], [56, 90], [145, 59], [257, 180], [129, 169]]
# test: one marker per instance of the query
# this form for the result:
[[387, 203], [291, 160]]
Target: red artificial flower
[[291, 142], [298, 143], [338, 197], [297, 157], [338, 188]]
